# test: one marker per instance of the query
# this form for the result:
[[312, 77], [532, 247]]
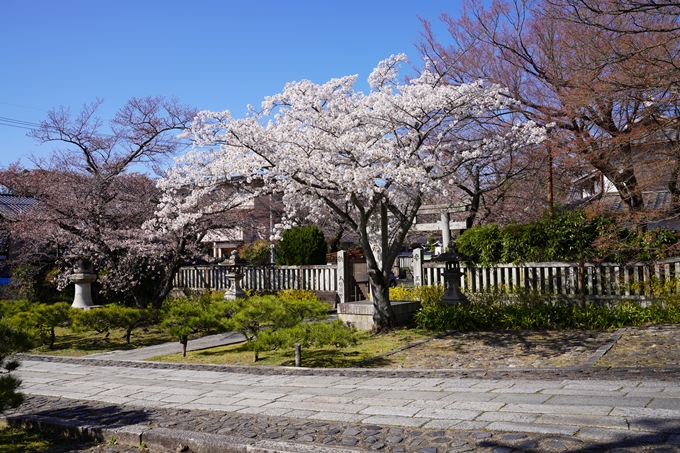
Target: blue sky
[[214, 55]]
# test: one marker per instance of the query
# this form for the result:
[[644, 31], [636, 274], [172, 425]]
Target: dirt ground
[[652, 345]]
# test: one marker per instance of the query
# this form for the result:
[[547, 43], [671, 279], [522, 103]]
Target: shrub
[[44, 319], [302, 246], [256, 253], [184, 316], [529, 309], [564, 235], [112, 317], [306, 335], [425, 294], [12, 340]]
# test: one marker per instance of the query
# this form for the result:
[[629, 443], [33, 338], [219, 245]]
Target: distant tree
[[302, 245], [90, 201], [256, 253], [605, 92]]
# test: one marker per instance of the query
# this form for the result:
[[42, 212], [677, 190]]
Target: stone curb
[[161, 438], [602, 350], [609, 373]]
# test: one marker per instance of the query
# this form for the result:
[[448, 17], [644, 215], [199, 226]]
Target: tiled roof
[[11, 206]]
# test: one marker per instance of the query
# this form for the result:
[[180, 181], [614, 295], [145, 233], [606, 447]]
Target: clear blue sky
[[214, 55]]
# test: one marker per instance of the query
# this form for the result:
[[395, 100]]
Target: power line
[[23, 106], [18, 123]]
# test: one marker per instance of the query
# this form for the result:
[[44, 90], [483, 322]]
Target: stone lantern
[[452, 274], [82, 279], [234, 275]]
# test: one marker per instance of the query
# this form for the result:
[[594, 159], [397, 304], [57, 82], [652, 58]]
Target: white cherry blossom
[[369, 160]]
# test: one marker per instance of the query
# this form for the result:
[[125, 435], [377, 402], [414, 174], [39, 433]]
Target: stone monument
[[452, 273], [234, 276]]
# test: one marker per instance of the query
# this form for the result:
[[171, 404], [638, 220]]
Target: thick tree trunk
[[624, 179], [169, 277], [383, 314]]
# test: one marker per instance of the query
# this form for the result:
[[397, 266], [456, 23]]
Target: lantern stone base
[[360, 313], [83, 291]]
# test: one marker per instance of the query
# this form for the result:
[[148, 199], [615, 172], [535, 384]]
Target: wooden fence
[[605, 281], [260, 278], [600, 281]]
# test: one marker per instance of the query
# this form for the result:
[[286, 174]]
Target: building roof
[[11, 206]]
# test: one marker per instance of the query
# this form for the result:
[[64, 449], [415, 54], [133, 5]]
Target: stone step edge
[[305, 371], [160, 438]]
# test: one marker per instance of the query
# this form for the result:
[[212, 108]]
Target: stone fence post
[[343, 278], [417, 267]]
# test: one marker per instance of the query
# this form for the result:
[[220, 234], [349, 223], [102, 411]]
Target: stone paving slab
[[207, 432]]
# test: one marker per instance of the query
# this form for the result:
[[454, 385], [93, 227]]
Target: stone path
[[429, 412], [209, 341]]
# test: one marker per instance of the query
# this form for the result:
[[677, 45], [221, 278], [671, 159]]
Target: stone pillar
[[446, 231], [343, 278], [82, 279], [417, 267]]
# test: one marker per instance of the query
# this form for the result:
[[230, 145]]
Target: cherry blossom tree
[[369, 159], [90, 202], [603, 72]]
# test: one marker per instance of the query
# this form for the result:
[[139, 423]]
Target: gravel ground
[[361, 437], [512, 348]]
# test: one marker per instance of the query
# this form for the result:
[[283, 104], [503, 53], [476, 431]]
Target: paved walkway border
[[163, 439]]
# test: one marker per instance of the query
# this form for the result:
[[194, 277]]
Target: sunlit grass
[[18, 441], [328, 357]]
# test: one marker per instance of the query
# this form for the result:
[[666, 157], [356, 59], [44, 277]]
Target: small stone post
[[82, 279], [417, 267], [343, 276]]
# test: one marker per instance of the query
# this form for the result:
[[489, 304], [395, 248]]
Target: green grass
[[68, 343], [14, 440], [328, 357]]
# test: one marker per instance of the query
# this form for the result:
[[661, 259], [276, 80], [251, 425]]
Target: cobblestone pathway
[[269, 409]]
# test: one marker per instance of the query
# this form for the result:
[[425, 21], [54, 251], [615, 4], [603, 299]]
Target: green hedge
[[564, 235]]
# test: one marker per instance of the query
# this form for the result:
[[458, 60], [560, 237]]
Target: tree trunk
[[184, 340], [52, 335], [551, 203], [383, 314], [128, 332], [256, 357], [166, 282]]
